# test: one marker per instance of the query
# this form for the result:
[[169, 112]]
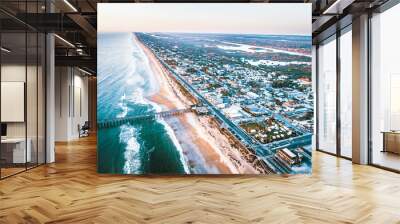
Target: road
[[263, 152], [238, 132]]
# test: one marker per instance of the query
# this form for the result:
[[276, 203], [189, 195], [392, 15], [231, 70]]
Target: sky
[[239, 18]]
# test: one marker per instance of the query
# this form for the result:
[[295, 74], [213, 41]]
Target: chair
[[84, 130]]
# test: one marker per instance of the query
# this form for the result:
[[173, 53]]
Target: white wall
[[62, 82], [71, 87], [12, 73], [33, 127], [80, 110], [9, 73]]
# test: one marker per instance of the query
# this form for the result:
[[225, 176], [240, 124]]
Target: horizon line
[[175, 32]]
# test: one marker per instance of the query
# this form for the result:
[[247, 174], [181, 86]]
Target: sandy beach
[[214, 147]]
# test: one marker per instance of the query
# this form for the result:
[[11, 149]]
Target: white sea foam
[[144, 83], [174, 139], [144, 69], [128, 135], [137, 97], [135, 80], [123, 106], [155, 106], [132, 143]]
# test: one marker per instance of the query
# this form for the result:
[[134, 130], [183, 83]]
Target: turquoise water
[[124, 81]]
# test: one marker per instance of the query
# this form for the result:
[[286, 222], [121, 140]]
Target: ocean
[[124, 81]]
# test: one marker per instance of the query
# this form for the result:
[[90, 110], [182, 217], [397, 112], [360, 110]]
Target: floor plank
[[70, 191]]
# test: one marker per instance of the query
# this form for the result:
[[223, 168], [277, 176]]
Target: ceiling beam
[[338, 6], [86, 26], [81, 61]]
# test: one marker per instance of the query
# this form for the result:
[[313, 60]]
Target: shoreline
[[200, 138]]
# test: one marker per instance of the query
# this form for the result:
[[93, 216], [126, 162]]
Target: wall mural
[[204, 88]]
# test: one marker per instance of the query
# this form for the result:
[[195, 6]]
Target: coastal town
[[258, 89]]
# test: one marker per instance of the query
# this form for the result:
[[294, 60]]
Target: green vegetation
[[284, 84]]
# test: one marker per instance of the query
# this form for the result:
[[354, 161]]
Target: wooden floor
[[5, 172], [70, 191], [386, 159]]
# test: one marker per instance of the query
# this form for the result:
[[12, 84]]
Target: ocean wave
[[174, 139], [137, 97], [124, 107], [143, 68], [129, 78], [128, 136], [152, 87], [135, 80]]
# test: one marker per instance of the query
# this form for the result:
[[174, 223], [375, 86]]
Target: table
[[391, 141], [13, 150]]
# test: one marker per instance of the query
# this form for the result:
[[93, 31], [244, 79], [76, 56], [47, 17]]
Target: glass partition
[[385, 89], [22, 77], [327, 96], [346, 93], [31, 99], [13, 105]]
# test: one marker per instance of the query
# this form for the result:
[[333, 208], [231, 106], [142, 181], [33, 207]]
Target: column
[[360, 90]]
